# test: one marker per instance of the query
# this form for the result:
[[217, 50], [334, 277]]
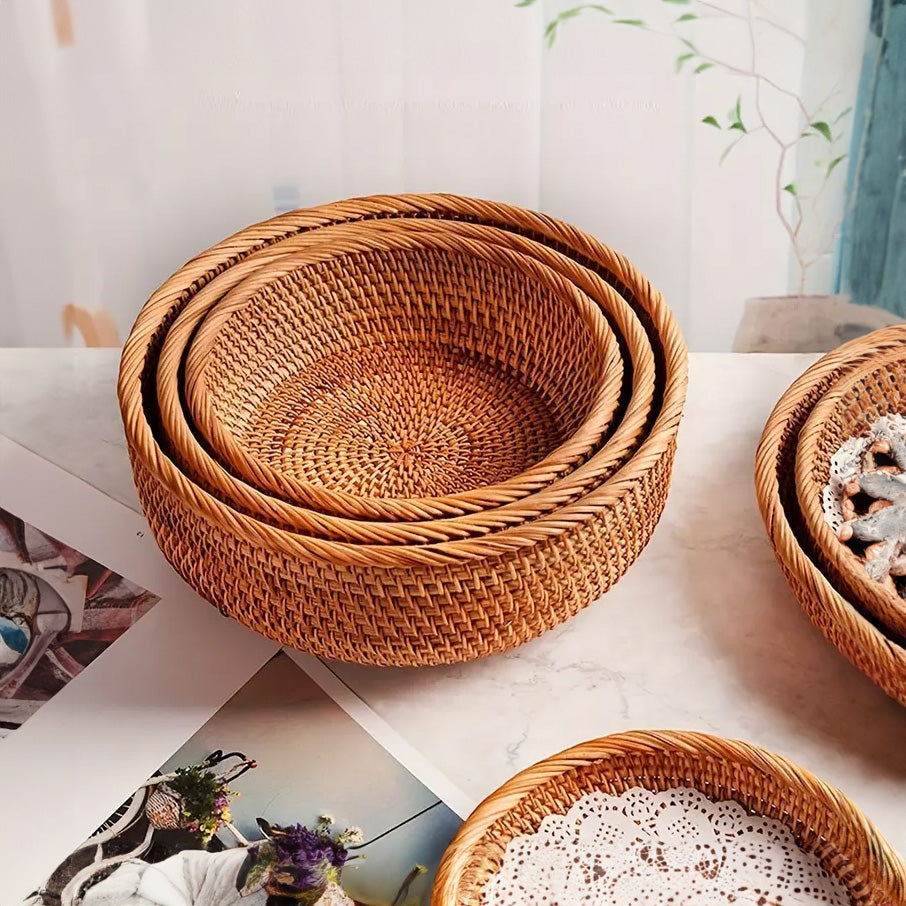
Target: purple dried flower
[[312, 858]]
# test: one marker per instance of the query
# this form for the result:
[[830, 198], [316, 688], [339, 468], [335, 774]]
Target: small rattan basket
[[405, 604], [822, 819], [849, 407], [865, 645]]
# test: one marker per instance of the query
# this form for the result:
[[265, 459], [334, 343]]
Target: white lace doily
[[846, 463], [676, 847]]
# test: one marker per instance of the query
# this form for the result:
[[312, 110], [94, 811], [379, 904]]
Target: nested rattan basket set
[[839, 397], [415, 430], [403, 430]]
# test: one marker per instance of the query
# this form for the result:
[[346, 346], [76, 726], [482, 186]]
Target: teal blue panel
[[873, 242]]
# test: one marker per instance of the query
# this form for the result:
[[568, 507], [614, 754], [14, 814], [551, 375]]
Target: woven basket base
[[403, 421]]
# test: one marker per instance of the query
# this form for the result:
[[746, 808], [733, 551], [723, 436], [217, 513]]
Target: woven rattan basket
[[429, 604], [421, 366], [195, 461], [865, 645], [203, 468], [821, 818], [849, 407]]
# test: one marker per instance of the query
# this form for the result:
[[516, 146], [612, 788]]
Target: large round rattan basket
[[841, 622], [822, 819], [849, 407], [418, 603]]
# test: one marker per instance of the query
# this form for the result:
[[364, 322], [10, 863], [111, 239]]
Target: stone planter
[[806, 323]]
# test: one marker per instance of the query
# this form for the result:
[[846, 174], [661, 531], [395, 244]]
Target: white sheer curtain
[[156, 127]]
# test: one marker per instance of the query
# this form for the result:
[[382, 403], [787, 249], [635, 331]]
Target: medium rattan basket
[[849, 407], [403, 604], [418, 366], [191, 456], [863, 643], [822, 819]]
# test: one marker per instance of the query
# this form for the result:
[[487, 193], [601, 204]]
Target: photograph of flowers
[[280, 797], [58, 611]]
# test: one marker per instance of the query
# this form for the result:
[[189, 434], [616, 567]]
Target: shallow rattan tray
[[851, 405], [864, 644], [436, 603], [821, 818], [191, 456]]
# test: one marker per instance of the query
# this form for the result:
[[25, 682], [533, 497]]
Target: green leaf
[[525, 2], [686, 17], [570, 13], [711, 121], [551, 33], [678, 2], [833, 165], [702, 67], [637, 22], [682, 59], [738, 126], [823, 128], [791, 188], [841, 114], [737, 110], [690, 45]]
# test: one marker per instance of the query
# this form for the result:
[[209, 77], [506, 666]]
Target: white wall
[[166, 125]]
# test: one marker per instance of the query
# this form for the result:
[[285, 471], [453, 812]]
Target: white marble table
[[701, 634]]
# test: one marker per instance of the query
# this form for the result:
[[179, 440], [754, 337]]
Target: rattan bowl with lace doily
[[821, 819]]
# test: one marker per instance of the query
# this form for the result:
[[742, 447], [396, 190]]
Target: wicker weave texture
[[408, 603], [405, 373], [412, 615], [851, 405], [821, 818], [554, 487], [866, 646]]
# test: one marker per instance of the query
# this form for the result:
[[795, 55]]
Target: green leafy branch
[[736, 122]]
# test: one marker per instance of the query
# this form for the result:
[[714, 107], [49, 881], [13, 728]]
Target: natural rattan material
[[822, 819], [858, 639], [404, 605], [202, 468], [409, 615], [406, 373], [851, 405]]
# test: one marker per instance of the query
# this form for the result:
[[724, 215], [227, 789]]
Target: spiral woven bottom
[[410, 616], [403, 421]]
